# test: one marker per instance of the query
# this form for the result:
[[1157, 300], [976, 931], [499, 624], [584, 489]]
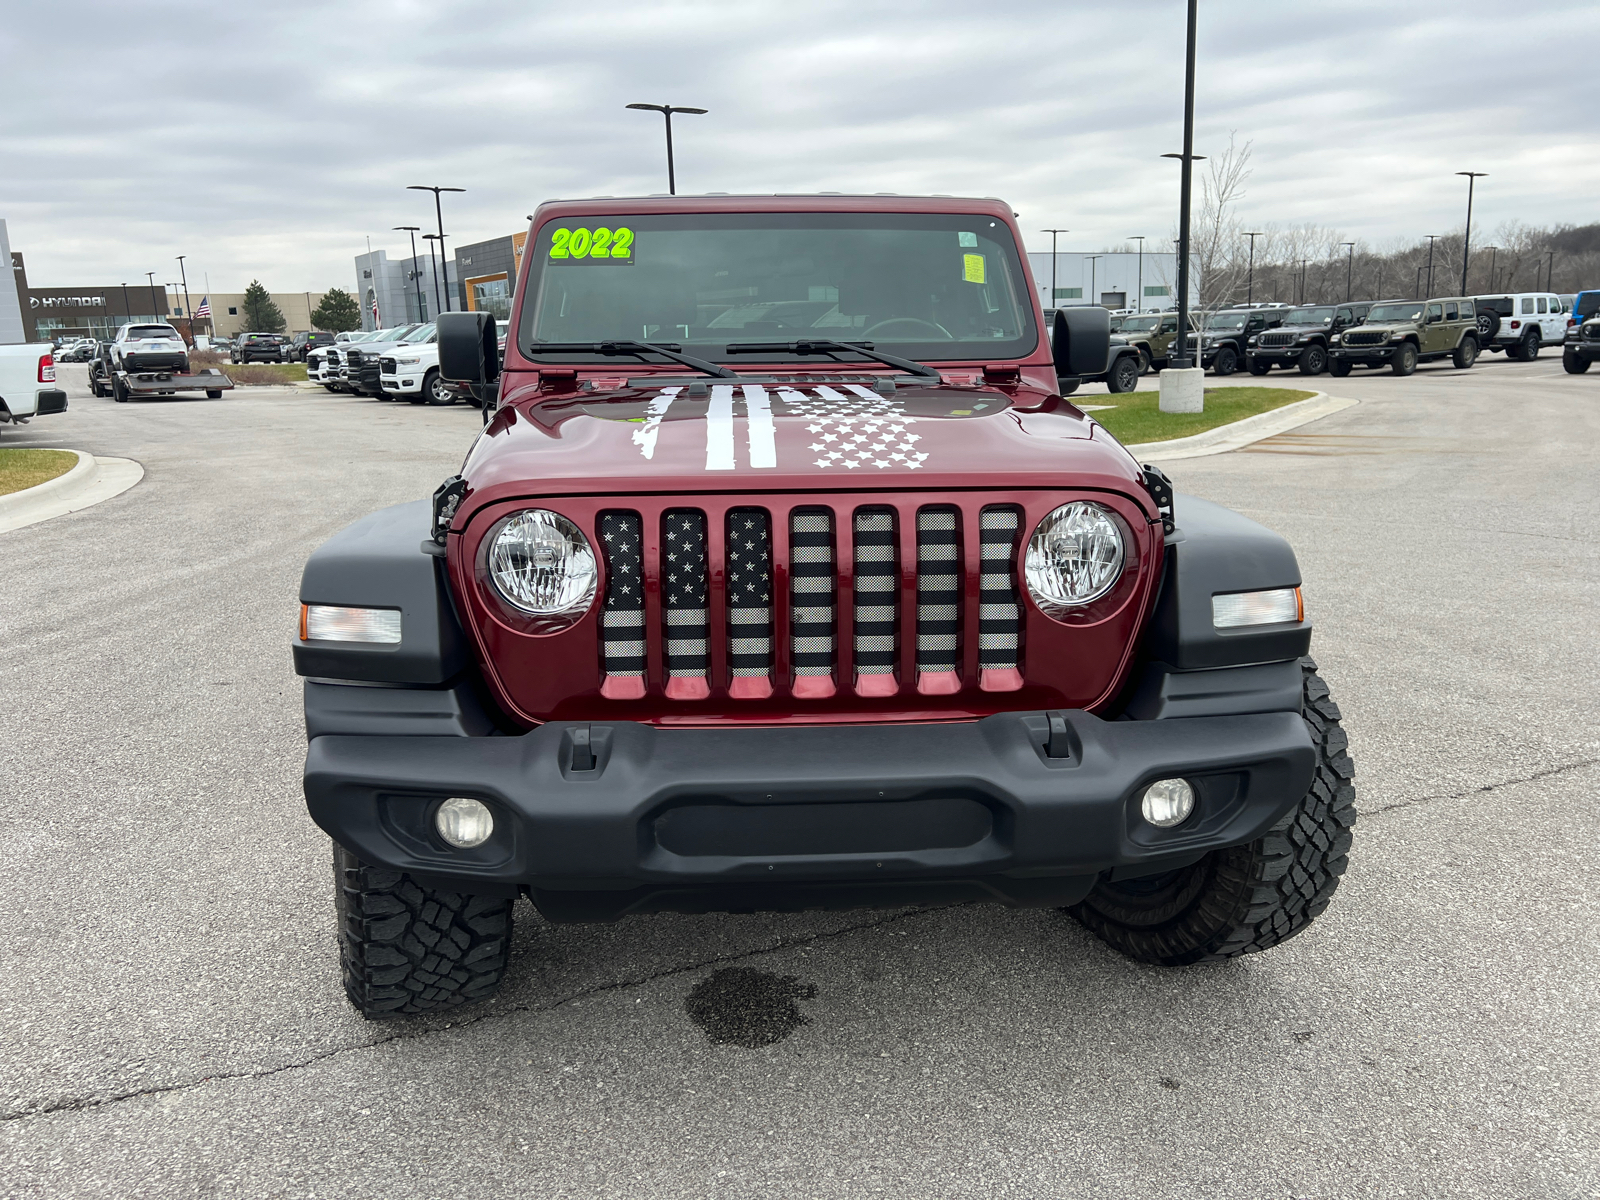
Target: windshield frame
[[1009, 279], [1377, 316]]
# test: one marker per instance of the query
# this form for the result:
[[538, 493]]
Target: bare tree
[[1214, 236]]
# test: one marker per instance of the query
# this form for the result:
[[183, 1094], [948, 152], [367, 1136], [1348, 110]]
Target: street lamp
[[1094, 261], [431, 238], [1349, 269], [151, 276], [1550, 274], [666, 110], [1250, 278], [1494, 254], [1466, 241], [1304, 262], [416, 275], [126, 306], [439, 213], [187, 307], [1138, 301], [1052, 233], [1432, 238]]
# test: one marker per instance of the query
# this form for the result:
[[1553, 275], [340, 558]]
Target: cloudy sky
[[271, 140]]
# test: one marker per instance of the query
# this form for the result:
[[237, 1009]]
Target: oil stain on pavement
[[743, 1007]]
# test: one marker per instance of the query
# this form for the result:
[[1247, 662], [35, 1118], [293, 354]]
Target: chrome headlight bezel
[[542, 567], [1049, 570]]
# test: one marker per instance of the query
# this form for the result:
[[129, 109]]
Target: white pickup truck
[[410, 371], [28, 383]]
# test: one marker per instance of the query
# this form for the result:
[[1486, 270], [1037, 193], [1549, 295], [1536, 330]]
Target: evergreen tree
[[337, 313], [260, 314]]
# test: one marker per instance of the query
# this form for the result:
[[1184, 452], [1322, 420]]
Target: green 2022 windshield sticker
[[612, 247]]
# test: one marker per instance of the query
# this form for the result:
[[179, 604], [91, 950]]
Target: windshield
[[422, 333], [1410, 311], [1309, 316], [925, 286], [142, 332], [1227, 320], [1140, 325]]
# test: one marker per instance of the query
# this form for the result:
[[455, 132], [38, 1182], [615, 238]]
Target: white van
[[1521, 322]]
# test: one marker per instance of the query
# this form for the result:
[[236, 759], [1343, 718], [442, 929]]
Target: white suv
[[1520, 322]]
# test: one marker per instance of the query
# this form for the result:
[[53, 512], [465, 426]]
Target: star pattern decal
[[749, 548], [684, 587], [857, 429], [622, 618]]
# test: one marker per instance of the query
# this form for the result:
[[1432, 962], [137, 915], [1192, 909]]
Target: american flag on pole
[[205, 307], [373, 293]]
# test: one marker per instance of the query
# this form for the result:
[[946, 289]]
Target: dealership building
[[1146, 282], [480, 277]]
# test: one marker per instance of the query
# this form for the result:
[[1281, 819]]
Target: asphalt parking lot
[[171, 1021]]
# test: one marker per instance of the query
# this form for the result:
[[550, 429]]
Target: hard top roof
[[711, 202]]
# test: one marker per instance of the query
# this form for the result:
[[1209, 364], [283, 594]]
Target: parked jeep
[[1520, 323], [1403, 333], [1152, 334], [1225, 337], [1302, 340], [781, 578], [1582, 348]]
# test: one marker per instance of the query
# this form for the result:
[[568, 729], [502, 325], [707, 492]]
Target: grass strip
[[21, 469], [1138, 418]]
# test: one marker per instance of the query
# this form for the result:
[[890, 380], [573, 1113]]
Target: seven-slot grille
[[723, 607], [1365, 338], [1278, 339]]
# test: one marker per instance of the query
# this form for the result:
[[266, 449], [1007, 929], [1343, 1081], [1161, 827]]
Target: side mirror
[[1081, 340], [468, 349]]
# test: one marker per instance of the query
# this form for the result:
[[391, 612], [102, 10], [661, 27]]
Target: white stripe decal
[[719, 428], [645, 436], [763, 438]]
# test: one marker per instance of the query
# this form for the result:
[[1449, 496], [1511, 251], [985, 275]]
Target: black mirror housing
[[469, 351], [1081, 340]]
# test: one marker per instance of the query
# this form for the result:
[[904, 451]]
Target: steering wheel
[[943, 332]]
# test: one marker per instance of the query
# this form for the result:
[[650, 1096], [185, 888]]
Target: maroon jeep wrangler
[[783, 577]]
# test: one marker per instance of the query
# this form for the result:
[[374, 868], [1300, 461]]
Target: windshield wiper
[[637, 350], [832, 349]]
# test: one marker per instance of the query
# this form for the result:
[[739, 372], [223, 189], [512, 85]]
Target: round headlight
[[1075, 556], [541, 563]]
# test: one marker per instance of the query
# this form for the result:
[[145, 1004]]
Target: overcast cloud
[[269, 140]]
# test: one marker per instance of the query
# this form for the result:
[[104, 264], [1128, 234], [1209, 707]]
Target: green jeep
[[1153, 335], [1403, 333]]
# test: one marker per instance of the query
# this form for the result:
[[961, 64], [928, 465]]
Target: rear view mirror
[[1081, 340], [468, 349]]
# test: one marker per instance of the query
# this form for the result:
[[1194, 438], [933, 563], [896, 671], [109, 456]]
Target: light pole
[[1432, 238], [1180, 356], [127, 307], [1094, 261], [1304, 262], [1416, 284], [1349, 269], [1250, 277], [151, 276], [184, 275], [1052, 233], [1494, 254], [1466, 241], [438, 212], [666, 110], [416, 275], [1138, 302], [1550, 274], [431, 238]]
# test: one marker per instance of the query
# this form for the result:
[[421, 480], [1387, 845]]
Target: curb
[[1243, 433], [88, 483]]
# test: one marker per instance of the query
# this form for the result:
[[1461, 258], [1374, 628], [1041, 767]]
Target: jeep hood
[[816, 434]]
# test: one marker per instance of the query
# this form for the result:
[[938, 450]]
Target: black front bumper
[[1364, 354], [1276, 354], [804, 817], [1587, 350]]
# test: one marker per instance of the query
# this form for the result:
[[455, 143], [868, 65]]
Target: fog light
[[465, 822], [1167, 802]]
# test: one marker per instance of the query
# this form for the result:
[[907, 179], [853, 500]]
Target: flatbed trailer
[[126, 385]]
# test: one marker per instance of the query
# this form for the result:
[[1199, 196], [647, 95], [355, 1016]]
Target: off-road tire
[[1227, 361], [1573, 364], [119, 391], [406, 949], [1404, 361], [1145, 363], [1258, 368], [1528, 348], [1313, 360], [1124, 375], [1466, 353], [1249, 898], [1338, 368], [1488, 326]]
